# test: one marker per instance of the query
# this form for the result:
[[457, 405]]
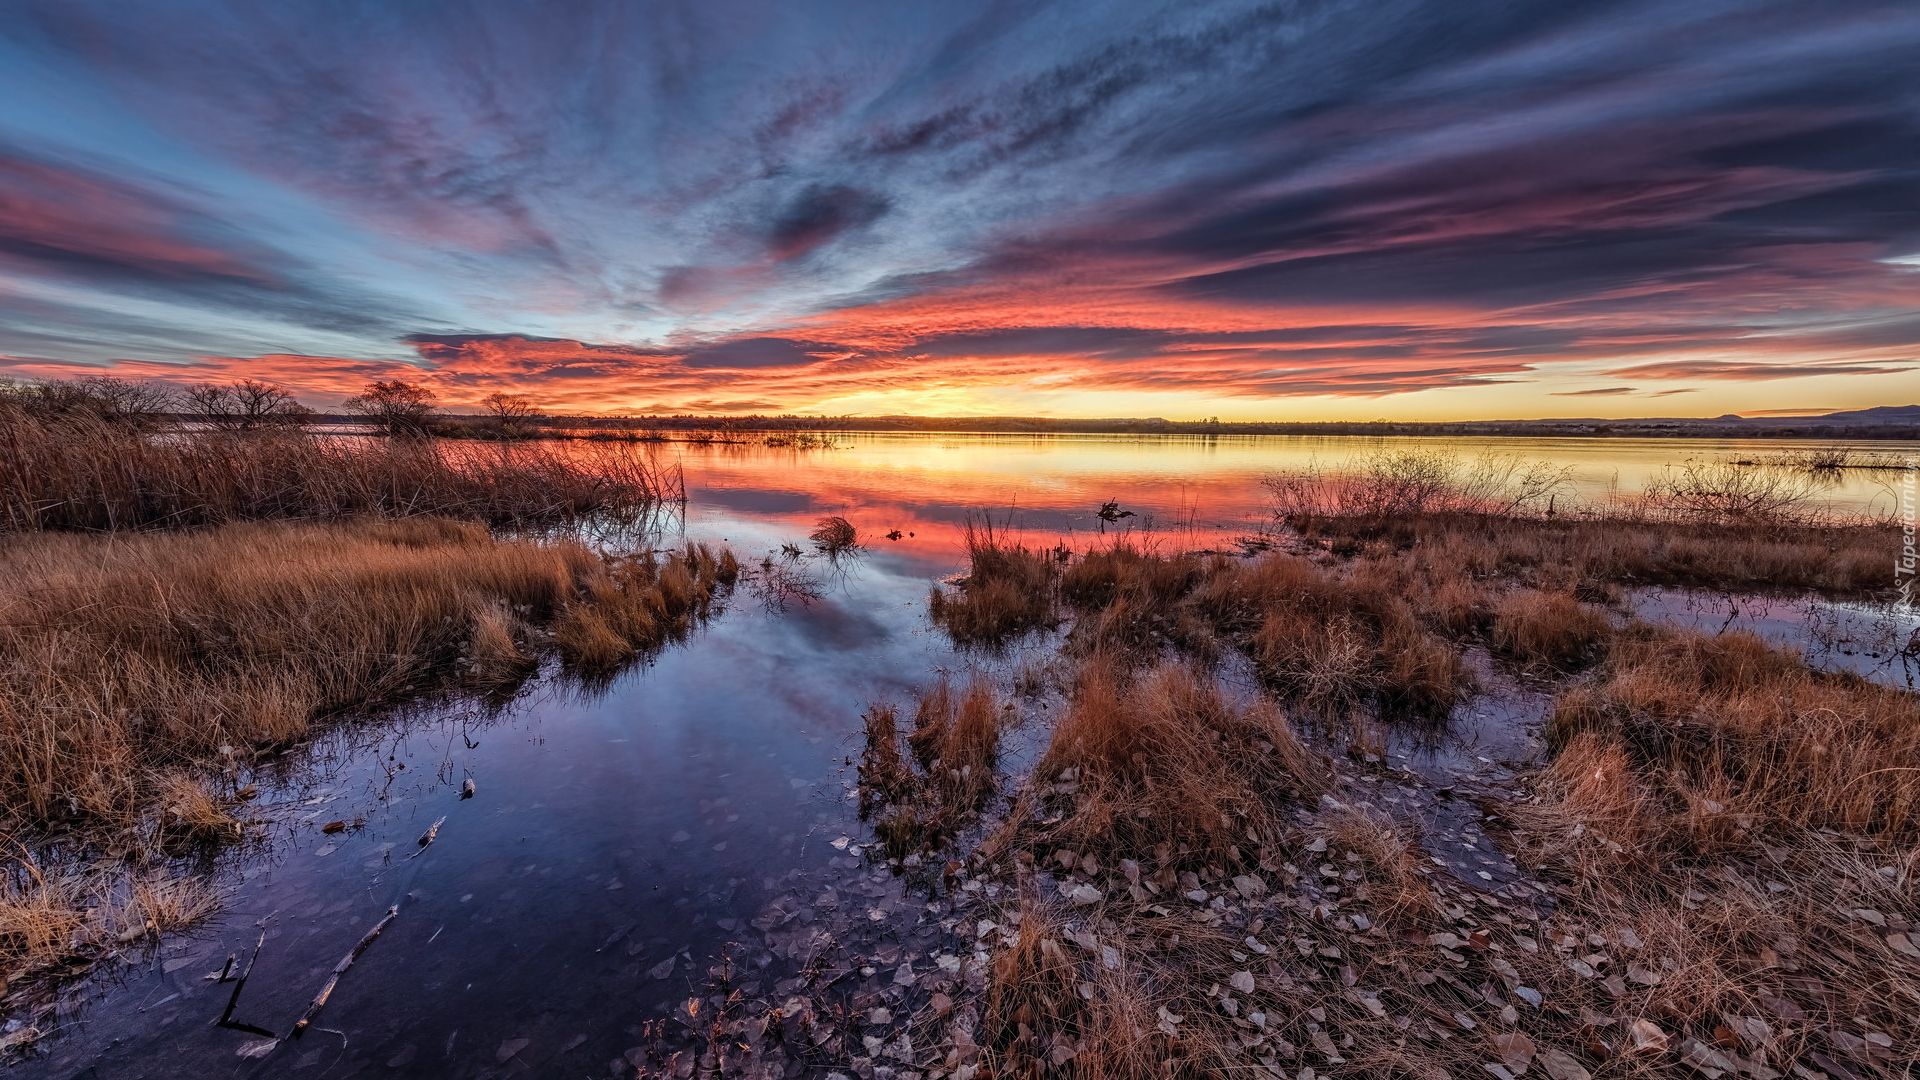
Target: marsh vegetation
[[1712, 863], [1156, 815], [178, 608]]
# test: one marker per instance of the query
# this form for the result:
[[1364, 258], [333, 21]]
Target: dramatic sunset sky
[[1422, 209]]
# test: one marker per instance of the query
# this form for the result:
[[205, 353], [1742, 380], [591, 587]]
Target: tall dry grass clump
[[956, 738], [1728, 741], [1130, 602], [1335, 640], [1009, 590], [124, 657], [1548, 630], [1166, 761], [955, 741], [67, 470]]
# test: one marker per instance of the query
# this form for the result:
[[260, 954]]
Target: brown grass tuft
[[885, 776], [1008, 591], [1548, 629], [1167, 761], [1054, 1010], [190, 812], [1387, 857], [1734, 741], [956, 742]]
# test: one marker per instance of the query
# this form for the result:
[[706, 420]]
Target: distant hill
[[1883, 414]]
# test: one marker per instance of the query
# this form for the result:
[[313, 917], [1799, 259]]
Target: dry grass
[[1387, 859], [1730, 742], [1056, 1008], [192, 811], [1333, 641], [1729, 839], [885, 777], [1009, 591], [1739, 834], [1548, 630], [956, 742], [1587, 555], [50, 918], [140, 674], [120, 656], [1129, 602], [1166, 768], [79, 471]]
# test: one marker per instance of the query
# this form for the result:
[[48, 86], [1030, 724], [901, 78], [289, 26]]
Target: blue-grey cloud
[[1598, 179]]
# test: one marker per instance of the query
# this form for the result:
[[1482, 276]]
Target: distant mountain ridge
[[1880, 414]]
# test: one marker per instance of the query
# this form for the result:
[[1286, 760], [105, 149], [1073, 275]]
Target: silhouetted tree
[[245, 405], [138, 404], [508, 408], [402, 408]]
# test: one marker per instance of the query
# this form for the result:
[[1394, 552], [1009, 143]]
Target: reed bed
[[83, 472], [123, 654]]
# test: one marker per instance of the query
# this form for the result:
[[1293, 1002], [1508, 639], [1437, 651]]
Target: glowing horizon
[[1405, 210]]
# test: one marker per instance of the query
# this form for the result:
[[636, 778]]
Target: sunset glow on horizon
[[1402, 209]]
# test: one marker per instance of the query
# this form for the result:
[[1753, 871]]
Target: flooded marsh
[[667, 866]]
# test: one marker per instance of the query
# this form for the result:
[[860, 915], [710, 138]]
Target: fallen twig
[[226, 1018], [427, 837], [339, 969]]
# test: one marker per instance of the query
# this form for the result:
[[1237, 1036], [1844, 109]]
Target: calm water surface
[[621, 836]]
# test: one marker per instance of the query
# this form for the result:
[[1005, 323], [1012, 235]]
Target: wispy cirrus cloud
[[818, 205], [1745, 370]]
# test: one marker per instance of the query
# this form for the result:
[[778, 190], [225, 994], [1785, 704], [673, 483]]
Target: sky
[[1357, 209]]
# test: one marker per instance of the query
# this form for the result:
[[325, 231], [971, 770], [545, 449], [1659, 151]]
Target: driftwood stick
[[339, 969], [226, 1018]]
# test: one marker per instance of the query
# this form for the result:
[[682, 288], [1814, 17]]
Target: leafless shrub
[[1720, 490], [834, 535], [1401, 483]]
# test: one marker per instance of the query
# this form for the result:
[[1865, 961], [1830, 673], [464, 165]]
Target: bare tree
[[402, 408], [105, 398], [508, 408], [246, 405]]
